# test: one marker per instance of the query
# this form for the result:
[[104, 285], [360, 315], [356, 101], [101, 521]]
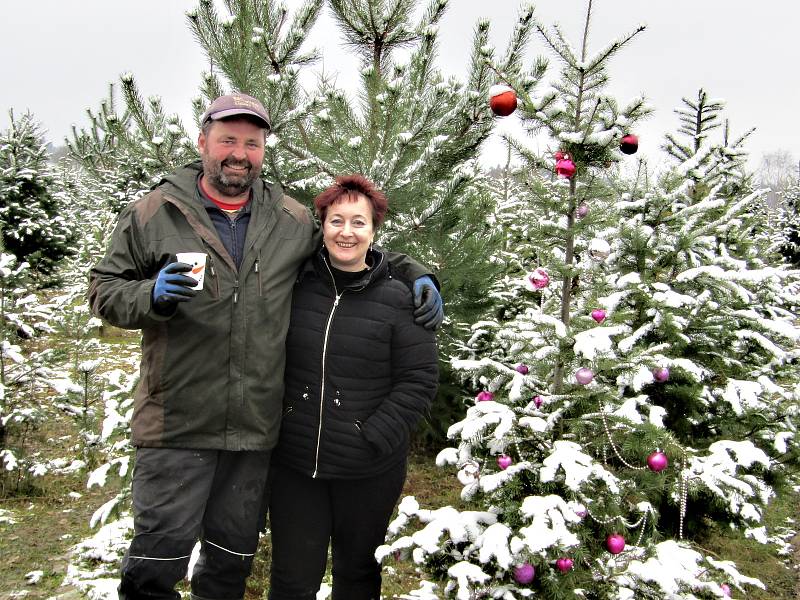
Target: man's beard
[[227, 184]]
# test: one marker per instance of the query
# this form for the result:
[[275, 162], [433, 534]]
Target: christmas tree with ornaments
[[637, 379]]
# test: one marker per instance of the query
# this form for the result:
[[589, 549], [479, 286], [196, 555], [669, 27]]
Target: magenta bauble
[[484, 396], [584, 376], [629, 144], [657, 461], [661, 374], [502, 100], [538, 401], [582, 210], [524, 573], [504, 461], [537, 279], [565, 168], [564, 564], [599, 315], [726, 590], [522, 369], [615, 543]]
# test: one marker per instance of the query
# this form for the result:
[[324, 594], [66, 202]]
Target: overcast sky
[[60, 55]]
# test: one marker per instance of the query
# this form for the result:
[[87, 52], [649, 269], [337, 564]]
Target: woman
[[359, 375]]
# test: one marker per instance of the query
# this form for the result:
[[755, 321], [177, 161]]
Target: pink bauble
[[522, 369], [599, 315], [537, 279], [564, 564], [504, 461], [661, 374], [503, 100], [615, 543], [484, 396], [524, 573], [629, 144], [581, 511], [565, 168], [726, 590], [584, 376], [538, 401], [582, 210], [657, 461]]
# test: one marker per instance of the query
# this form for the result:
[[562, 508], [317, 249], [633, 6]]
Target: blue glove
[[429, 312], [172, 287]]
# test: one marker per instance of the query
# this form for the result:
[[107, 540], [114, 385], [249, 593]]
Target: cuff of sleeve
[[152, 313]]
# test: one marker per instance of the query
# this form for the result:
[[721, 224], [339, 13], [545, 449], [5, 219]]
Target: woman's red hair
[[350, 187]]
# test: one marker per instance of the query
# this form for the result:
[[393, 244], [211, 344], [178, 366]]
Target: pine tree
[[648, 396], [788, 225], [32, 225]]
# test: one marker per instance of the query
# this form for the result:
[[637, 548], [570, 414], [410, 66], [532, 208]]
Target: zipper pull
[[256, 265], [336, 301], [236, 293]]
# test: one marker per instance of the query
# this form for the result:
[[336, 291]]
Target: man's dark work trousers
[[180, 496], [351, 514]]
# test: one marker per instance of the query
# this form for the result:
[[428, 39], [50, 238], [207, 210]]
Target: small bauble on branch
[[580, 511], [504, 461], [615, 543], [657, 461], [537, 279], [599, 315], [582, 210], [564, 564], [522, 368], [524, 573], [629, 144], [584, 376], [502, 100], [538, 401], [726, 590], [484, 396], [566, 168], [599, 250], [661, 374]]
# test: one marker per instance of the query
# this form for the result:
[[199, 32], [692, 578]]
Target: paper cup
[[198, 262]]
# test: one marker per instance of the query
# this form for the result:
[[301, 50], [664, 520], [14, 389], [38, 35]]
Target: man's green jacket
[[212, 372]]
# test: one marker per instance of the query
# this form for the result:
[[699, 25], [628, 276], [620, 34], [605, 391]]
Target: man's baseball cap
[[236, 104]]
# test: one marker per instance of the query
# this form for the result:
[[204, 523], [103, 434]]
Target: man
[[208, 405]]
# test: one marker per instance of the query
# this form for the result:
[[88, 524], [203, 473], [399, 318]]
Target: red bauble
[[484, 396], [599, 315], [524, 573], [536, 280], [521, 368], [565, 168], [657, 461], [502, 100], [504, 461], [584, 376], [615, 543], [629, 144], [564, 564]]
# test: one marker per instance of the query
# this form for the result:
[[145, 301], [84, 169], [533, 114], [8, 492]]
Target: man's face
[[232, 153]]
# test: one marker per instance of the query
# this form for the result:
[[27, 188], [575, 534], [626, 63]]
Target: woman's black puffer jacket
[[359, 373]]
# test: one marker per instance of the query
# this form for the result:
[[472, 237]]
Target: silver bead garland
[[613, 446]]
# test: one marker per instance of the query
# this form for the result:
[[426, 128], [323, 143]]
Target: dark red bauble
[[629, 144], [503, 100]]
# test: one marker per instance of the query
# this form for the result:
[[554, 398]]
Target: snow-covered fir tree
[[788, 225], [638, 380], [32, 224]]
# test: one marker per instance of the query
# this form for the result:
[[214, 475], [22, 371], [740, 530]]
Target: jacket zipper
[[258, 272], [337, 296]]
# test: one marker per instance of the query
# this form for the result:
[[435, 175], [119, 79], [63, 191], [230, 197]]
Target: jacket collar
[[319, 264]]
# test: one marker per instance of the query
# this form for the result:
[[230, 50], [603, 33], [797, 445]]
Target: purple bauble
[[538, 401], [504, 461], [657, 461], [582, 210], [524, 573], [584, 376], [581, 511], [484, 396], [726, 590], [564, 564], [521, 368], [661, 374], [615, 543], [599, 315]]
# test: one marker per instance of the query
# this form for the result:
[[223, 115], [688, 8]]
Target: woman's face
[[347, 233]]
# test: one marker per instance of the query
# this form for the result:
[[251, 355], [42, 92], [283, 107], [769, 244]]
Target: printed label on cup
[[198, 262]]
